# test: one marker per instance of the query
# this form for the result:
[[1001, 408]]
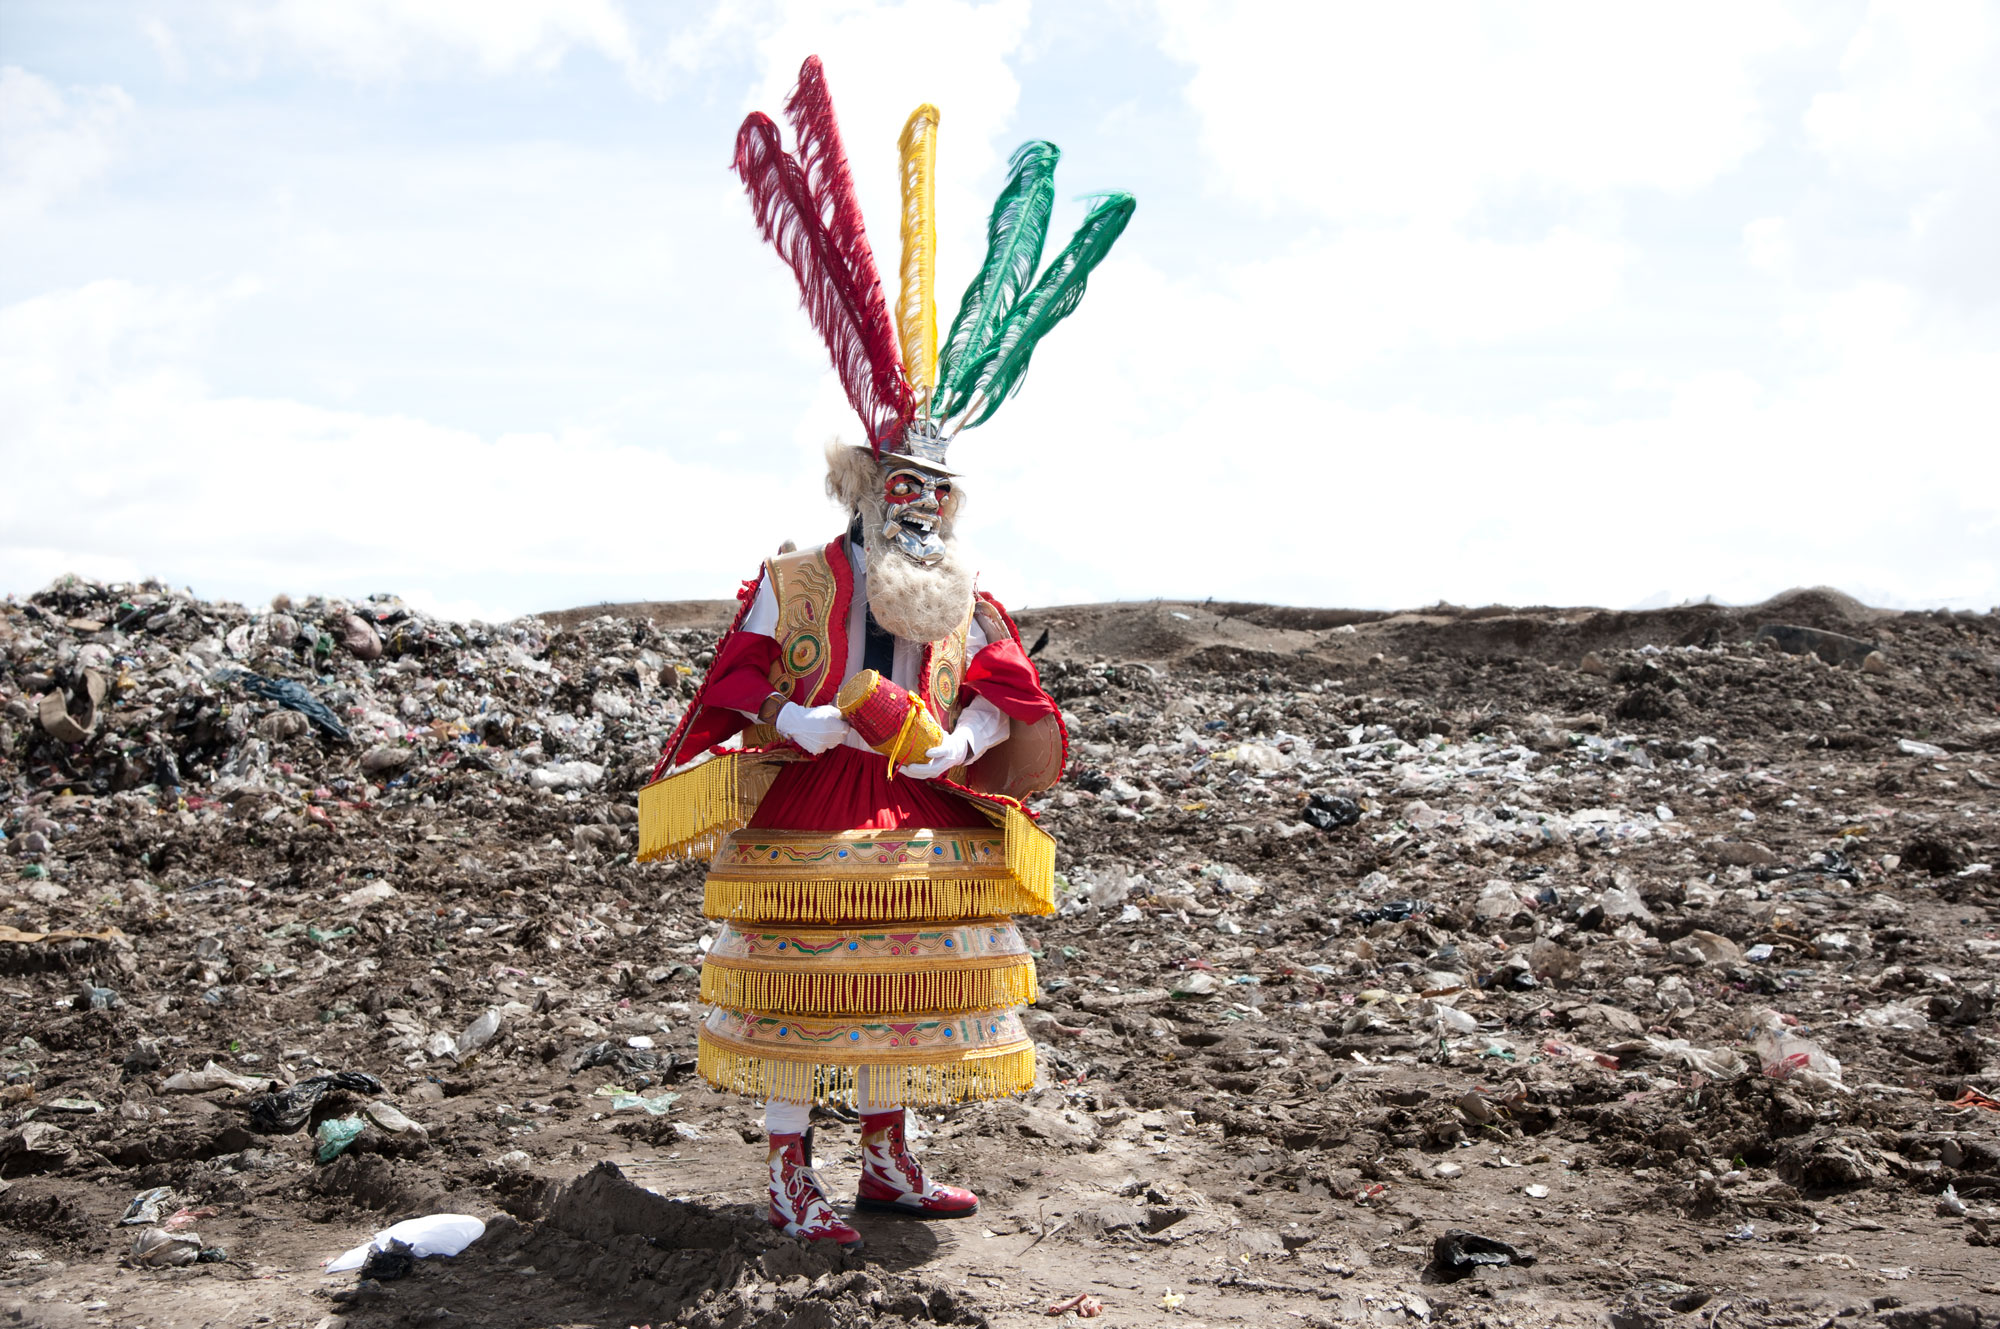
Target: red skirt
[[846, 789]]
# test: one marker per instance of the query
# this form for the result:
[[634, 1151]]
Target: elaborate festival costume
[[867, 842]]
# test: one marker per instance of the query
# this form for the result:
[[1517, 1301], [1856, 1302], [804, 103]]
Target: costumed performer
[[866, 837]]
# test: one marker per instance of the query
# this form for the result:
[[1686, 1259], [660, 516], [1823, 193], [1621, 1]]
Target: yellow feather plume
[[916, 307]]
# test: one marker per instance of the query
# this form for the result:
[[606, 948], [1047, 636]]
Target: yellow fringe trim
[[878, 996], [852, 899], [995, 1076], [689, 814], [1031, 859]]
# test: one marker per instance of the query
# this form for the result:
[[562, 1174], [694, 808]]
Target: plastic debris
[[1082, 1305], [1784, 1052], [1330, 812], [288, 1110], [293, 696], [334, 1136], [148, 1207], [433, 1234], [1457, 1253], [657, 1105], [210, 1077], [157, 1248], [478, 1034]]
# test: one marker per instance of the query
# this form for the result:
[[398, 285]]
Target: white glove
[[814, 728], [956, 750]]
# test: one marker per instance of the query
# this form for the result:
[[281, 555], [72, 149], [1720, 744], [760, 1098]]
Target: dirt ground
[[1660, 946]]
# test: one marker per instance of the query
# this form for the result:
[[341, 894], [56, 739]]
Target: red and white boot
[[891, 1181], [799, 1207]]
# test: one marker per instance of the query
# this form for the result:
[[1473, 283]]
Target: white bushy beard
[[915, 602]]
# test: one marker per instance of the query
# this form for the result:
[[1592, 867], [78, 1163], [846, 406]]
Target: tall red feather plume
[[807, 210]]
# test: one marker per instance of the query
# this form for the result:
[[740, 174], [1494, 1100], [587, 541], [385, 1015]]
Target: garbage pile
[[1391, 949], [309, 710]]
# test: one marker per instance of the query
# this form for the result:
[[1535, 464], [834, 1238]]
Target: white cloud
[[53, 144], [113, 444], [1370, 292], [1914, 123], [374, 40], [1767, 245], [1384, 112], [1918, 93]]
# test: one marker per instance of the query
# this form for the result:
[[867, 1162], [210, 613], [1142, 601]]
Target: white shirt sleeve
[[763, 616], [985, 724]]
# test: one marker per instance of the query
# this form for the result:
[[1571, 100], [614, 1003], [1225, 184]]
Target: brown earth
[[1570, 859]]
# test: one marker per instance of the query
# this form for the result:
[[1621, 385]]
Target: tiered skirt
[[888, 948]]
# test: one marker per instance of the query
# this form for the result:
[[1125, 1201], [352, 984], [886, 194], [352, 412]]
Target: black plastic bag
[[1330, 812], [286, 1110]]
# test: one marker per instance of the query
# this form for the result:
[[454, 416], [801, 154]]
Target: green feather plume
[[1014, 236], [981, 384]]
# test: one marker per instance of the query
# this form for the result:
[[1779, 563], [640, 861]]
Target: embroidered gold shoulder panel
[[944, 664], [811, 640]]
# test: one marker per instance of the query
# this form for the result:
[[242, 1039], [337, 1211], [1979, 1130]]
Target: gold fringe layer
[[688, 814], [934, 1085], [1031, 858], [857, 899], [878, 996]]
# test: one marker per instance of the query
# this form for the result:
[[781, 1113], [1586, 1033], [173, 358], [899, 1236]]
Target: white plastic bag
[[433, 1234], [1785, 1052]]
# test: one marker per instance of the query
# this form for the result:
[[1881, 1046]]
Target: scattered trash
[[293, 697], [1083, 1305], [1555, 1047], [621, 1099], [211, 1077], [433, 1234], [96, 999], [36, 1146], [1785, 1053], [388, 1261], [334, 1136], [1540, 857], [478, 1034], [1330, 812], [148, 1207], [288, 1110], [157, 1248], [1195, 986], [1457, 1253]]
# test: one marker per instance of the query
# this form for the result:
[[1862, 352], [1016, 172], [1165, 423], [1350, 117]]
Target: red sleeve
[[740, 678], [1004, 675], [704, 723]]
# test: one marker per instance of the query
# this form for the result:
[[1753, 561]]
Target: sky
[[1568, 303]]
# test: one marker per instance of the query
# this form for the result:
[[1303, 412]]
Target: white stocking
[[781, 1118], [864, 1097]]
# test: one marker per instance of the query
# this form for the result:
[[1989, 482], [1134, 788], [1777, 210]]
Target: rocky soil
[[1657, 949]]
